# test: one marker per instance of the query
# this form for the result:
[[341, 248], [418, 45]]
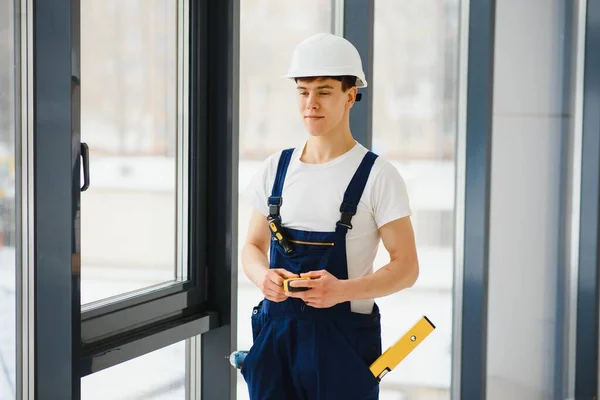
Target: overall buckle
[[274, 205], [348, 211]]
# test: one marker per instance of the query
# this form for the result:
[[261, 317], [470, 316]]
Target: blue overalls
[[305, 353]]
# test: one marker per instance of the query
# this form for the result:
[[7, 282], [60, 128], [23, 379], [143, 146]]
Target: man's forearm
[[254, 263], [391, 278]]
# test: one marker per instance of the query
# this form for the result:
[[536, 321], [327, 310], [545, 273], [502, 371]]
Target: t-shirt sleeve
[[257, 192], [389, 196]]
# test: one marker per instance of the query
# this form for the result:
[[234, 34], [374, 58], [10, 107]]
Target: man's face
[[323, 104]]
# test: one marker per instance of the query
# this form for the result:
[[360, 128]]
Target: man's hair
[[348, 81]]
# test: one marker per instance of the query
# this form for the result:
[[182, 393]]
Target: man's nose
[[311, 102]]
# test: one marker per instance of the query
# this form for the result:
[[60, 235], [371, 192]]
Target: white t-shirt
[[312, 195]]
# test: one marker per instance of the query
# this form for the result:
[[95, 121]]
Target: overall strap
[[275, 199], [354, 191]]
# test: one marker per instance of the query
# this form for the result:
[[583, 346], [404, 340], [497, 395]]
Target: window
[[133, 118], [146, 199], [8, 104], [414, 126], [137, 310], [153, 376]]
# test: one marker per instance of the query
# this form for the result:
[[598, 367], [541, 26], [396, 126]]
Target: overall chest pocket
[[306, 256]]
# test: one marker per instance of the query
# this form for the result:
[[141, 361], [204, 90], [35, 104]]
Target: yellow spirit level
[[288, 288], [402, 348]]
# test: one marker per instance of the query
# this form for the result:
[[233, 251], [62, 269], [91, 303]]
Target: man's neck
[[322, 149]]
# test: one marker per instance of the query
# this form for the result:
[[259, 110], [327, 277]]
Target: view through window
[[159, 375], [130, 63], [415, 126], [8, 111]]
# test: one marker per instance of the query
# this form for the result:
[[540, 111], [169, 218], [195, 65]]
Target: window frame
[[583, 380], [472, 199], [166, 313]]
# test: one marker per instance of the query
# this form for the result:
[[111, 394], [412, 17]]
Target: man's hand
[[325, 289], [272, 284]]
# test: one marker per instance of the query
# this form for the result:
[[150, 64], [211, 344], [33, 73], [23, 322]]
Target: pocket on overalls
[[365, 337], [347, 364], [303, 259], [258, 323]]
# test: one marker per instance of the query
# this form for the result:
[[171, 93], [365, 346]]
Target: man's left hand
[[325, 289]]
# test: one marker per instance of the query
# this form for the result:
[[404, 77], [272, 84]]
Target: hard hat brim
[[360, 83]]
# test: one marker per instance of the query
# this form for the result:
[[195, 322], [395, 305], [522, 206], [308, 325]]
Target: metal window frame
[[337, 17], [587, 309], [219, 51], [473, 166], [24, 200], [50, 270], [566, 307], [358, 26]]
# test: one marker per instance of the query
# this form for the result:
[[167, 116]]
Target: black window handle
[[85, 157]]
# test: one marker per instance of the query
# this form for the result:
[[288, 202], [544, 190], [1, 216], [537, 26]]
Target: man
[[333, 200]]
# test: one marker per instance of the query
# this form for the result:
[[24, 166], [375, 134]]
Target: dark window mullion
[[586, 361], [471, 337], [359, 24], [56, 165], [220, 60]]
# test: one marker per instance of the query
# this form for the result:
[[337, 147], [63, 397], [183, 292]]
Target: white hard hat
[[325, 54]]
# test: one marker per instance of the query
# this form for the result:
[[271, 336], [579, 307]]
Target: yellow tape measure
[[402, 348], [289, 288]]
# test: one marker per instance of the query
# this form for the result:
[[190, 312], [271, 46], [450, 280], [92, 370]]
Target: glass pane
[[159, 375], [269, 119], [131, 118], [531, 269], [8, 105], [414, 126]]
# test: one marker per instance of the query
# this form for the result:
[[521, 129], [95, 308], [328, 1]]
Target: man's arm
[[255, 262], [254, 253], [400, 273]]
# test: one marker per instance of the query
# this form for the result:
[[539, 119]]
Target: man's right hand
[[272, 284]]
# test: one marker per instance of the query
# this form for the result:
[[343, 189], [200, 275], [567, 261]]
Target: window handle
[[85, 157]]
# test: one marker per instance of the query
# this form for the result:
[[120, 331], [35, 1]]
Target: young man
[[333, 200]]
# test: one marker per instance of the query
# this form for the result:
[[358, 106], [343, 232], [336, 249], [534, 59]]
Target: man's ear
[[352, 93]]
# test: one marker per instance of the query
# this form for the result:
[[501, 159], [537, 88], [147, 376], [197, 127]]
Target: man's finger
[[303, 283], [314, 274], [275, 294], [275, 287], [286, 274], [310, 299], [297, 295], [276, 279]]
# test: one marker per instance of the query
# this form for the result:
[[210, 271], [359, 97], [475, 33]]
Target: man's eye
[[325, 93]]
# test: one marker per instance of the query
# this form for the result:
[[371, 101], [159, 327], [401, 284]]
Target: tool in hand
[[237, 358], [289, 288], [402, 348], [279, 235]]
